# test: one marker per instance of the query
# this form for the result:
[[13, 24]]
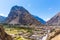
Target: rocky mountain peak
[[58, 14], [16, 8], [54, 20], [19, 15]]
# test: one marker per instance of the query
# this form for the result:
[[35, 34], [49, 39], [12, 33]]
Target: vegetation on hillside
[[25, 32]]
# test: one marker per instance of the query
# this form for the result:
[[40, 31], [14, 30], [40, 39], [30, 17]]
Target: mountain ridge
[[39, 19], [19, 15], [2, 18], [55, 20]]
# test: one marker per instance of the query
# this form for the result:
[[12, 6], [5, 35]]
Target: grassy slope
[[18, 32]]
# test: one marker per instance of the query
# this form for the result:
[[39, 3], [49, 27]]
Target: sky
[[44, 9]]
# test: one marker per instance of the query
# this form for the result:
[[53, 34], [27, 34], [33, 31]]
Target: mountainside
[[2, 18], [39, 19], [19, 15], [54, 34], [4, 35], [54, 20]]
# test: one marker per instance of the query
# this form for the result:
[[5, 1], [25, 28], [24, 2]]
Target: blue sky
[[44, 9]]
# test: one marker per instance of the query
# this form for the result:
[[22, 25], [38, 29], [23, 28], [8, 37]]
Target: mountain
[[54, 20], [2, 18], [19, 15], [39, 19]]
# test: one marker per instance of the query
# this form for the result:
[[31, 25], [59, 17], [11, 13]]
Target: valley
[[21, 25], [25, 32]]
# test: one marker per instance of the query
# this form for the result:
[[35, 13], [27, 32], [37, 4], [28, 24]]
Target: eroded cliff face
[[54, 34], [4, 35]]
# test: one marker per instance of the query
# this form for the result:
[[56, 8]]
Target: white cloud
[[1, 14], [47, 19], [49, 8]]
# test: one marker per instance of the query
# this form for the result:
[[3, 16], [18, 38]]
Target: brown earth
[[54, 34]]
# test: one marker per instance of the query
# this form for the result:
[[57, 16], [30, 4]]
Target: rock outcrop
[[54, 34], [4, 35]]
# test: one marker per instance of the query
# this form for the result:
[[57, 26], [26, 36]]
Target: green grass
[[17, 30]]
